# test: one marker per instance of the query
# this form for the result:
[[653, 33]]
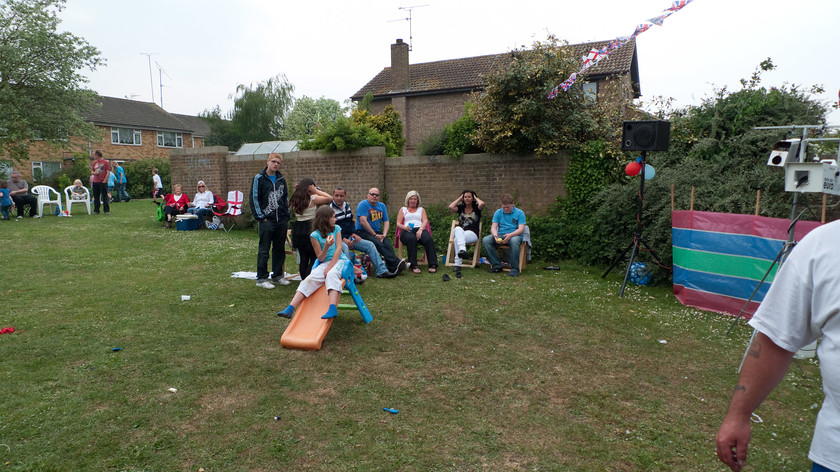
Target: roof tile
[[467, 72]]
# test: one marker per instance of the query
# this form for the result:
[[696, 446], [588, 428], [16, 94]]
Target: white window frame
[[37, 165], [161, 139], [590, 89], [137, 136]]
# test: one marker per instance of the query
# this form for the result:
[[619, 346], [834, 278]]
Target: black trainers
[[457, 272], [462, 254], [400, 267], [386, 275], [495, 270]]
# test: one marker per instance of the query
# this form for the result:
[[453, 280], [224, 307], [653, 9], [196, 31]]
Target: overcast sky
[[331, 48]]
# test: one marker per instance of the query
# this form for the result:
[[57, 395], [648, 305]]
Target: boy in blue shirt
[[508, 226]]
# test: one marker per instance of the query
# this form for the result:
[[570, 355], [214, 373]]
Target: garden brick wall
[[535, 182]]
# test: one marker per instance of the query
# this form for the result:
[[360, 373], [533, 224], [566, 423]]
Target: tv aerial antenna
[[161, 73], [151, 81], [408, 19]]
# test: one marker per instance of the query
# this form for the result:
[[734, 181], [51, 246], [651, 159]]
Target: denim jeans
[[493, 255], [272, 233], [384, 248], [368, 248], [203, 214], [121, 195]]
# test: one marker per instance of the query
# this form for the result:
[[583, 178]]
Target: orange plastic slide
[[307, 330]]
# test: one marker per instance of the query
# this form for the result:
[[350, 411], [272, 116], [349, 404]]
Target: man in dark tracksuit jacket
[[270, 207]]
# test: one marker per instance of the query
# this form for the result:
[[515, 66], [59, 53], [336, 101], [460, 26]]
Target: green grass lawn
[[547, 372]]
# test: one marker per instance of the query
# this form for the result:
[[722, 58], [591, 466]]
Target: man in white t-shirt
[[802, 305]]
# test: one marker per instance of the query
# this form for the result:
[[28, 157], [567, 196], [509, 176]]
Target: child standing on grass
[[329, 271], [6, 203]]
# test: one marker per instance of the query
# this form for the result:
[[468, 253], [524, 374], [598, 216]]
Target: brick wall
[[535, 182]]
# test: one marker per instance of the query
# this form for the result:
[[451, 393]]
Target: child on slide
[[331, 264]]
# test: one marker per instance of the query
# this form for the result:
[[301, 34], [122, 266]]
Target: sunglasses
[[373, 194], [201, 186]]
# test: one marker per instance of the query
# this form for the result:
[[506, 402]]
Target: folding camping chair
[[450, 248], [234, 209]]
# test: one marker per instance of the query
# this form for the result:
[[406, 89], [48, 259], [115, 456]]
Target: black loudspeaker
[[645, 135]]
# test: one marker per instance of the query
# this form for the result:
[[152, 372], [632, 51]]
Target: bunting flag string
[[597, 55]]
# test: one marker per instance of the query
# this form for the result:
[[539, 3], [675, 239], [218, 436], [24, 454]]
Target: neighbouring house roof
[[199, 127], [133, 114], [465, 74]]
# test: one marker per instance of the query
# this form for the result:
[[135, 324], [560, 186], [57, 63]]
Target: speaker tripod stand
[[638, 241]]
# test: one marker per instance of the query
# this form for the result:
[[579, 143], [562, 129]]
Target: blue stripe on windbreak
[[724, 243], [719, 284]]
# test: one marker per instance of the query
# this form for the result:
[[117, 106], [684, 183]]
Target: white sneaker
[[265, 284], [281, 281], [36, 216]]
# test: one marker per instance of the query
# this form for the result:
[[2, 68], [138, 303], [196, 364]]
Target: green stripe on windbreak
[[734, 266]]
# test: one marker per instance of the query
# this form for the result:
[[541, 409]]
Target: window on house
[[44, 170], [590, 89], [170, 139], [127, 136]]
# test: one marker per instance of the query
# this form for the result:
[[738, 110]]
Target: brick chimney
[[399, 66]]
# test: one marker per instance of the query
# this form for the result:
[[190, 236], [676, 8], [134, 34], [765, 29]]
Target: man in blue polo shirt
[[372, 225], [508, 226], [344, 220]]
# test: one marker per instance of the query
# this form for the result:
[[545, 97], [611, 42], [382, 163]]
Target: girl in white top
[[413, 224]]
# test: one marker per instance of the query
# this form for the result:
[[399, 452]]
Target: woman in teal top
[[331, 262]]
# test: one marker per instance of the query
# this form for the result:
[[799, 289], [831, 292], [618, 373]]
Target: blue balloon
[[650, 172], [639, 159]]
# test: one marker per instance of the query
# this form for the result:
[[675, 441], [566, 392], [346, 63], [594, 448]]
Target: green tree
[[258, 111], [714, 149], [309, 116], [387, 123], [514, 116], [41, 94], [221, 129], [257, 115], [362, 129]]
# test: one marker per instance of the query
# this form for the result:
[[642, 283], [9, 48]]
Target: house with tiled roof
[[129, 130], [430, 95]]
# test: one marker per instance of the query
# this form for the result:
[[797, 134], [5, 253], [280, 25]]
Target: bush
[[139, 176], [454, 140], [344, 135], [433, 144]]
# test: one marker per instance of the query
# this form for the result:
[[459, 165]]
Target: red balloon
[[633, 168]]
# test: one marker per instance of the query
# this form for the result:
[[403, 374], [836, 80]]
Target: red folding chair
[[232, 210]]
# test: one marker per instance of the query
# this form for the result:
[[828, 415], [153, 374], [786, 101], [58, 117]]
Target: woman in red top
[[175, 203]]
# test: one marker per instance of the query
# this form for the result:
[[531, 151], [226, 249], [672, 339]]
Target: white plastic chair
[[45, 197], [68, 194]]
